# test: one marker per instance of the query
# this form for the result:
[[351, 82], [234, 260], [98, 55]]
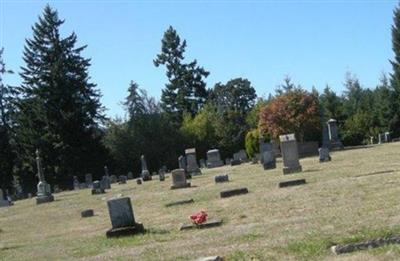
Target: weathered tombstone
[[221, 178], [267, 155], [122, 218], [214, 159], [243, 156], [105, 182], [89, 180], [87, 213], [334, 140], [43, 188], [97, 189], [122, 179], [324, 154], [145, 172], [113, 179], [387, 136], [130, 175], [380, 138], [233, 192], [106, 171], [191, 162], [182, 162], [228, 161], [139, 181], [179, 179], [161, 174], [76, 183], [202, 163], [235, 162], [290, 183], [3, 202], [290, 154], [371, 140]]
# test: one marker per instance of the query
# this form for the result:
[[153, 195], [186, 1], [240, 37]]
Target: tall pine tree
[[186, 90], [58, 108], [395, 75]]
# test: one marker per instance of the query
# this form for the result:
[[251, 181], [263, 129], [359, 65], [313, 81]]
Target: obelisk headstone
[[145, 172], [43, 188]]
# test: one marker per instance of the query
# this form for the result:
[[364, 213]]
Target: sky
[[313, 42]]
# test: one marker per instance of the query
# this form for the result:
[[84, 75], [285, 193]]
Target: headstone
[[180, 202], [96, 188], [334, 140], [105, 182], [233, 192], [182, 162], [122, 218], [179, 179], [267, 155], [3, 202], [371, 140], [208, 224], [380, 138], [241, 155], [122, 179], [145, 172], [87, 213], [221, 178], [191, 162], [161, 174], [56, 189], [43, 188], [290, 154], [324, 154], [113, 179], [76, 183], [235, 162], [89, 180], [130, 175], [202, 163], [228, 161], [290, 183], [387, 136], [139, 181], [82, 186], [214, 159]]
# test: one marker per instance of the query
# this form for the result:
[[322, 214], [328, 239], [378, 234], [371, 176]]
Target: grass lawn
[[341, 202]]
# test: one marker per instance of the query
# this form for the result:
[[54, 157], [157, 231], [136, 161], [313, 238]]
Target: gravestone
[[57, 189], [191, 162], [139, 181], [130, 175], [235, 162], [105, 182], [214, 159], [113, 179], [89, 180], [387, 136], [3, 202], [202, 163], [43, 188], [290, 154], [290, 183], [228, 161], [106, 171], [76, 183], [179, 179], [82, 186], [324, 154], [145, 172], [97, 189], [161, 174], [87, 213], [180, 202], [233, 192], [122, 218], [241, 155], [122, 179], [182, 162], [334, 141], [221, 178], [268, 159]]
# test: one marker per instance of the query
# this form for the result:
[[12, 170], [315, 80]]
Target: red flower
[[199, 218]]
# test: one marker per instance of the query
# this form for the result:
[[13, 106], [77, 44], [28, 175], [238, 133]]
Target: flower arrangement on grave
[[199, 217]]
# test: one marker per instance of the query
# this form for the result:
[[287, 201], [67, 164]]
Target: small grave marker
[[290, 183], [233, 192]]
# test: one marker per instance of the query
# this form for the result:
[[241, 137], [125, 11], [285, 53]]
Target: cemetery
[[323, 216], [111, 149]]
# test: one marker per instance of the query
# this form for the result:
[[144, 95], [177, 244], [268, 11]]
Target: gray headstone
[[89, 180], [240, 155], [202, 163], [191, 162], [113, 179], [179, 179], [105, 182], [121, 212], [130, 175], [76, 183], [221, 178], [290, 154], [334, 140], [214, 159], [161, 174], [43, 188], [324, 154], [267, 155], [122, 179], [3, 202], [228, 161], [96, 188], [145, 175]]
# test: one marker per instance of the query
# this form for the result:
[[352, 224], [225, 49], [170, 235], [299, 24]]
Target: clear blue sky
[[314, 42]]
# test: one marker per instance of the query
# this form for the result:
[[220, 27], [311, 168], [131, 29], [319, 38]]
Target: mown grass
[[336, 206]]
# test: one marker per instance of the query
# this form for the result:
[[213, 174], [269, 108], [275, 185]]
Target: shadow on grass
[[311, 170]]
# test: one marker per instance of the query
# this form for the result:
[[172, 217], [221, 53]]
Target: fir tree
[[395, 75], [59, 108]]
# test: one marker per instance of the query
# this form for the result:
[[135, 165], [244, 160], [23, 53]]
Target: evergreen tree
[[395, 75], [186, 90], [59, 110], [134, 103], [6, 152]]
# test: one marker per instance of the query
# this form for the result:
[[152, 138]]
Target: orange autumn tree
[[295, 111]]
